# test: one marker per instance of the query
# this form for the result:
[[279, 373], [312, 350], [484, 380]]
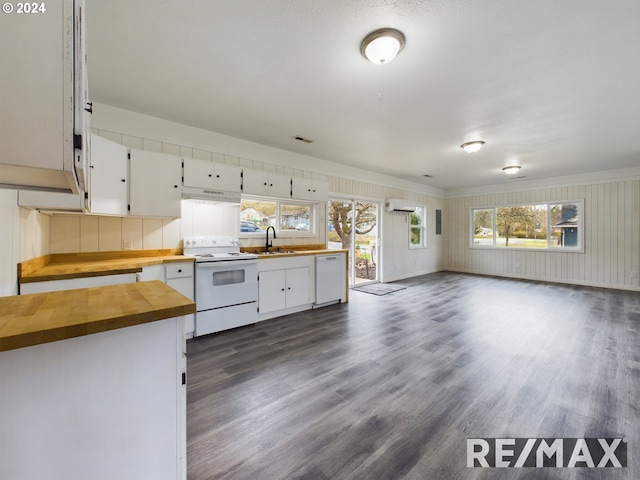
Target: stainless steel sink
[[277, 252]]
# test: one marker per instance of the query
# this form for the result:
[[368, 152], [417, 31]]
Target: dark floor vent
[[302, 139]]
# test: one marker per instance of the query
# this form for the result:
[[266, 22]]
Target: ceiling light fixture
[[510, 170], [382, 46], [472, 147]]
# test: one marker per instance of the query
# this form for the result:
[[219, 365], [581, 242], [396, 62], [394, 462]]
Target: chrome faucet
[[270, 244]]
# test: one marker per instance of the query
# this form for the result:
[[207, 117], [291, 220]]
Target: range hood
[[214, 196], [52, 202]]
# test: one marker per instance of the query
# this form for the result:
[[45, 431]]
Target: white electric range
[[226, 283]]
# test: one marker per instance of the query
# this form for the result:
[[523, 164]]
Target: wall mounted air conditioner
[[398, 205]]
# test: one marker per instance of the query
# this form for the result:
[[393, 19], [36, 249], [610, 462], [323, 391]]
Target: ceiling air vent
[[302, 139]]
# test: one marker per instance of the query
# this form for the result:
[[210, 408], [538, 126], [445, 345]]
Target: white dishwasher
[[330, 278]]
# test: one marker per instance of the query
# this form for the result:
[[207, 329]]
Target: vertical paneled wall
[[612, 237], [24, 234]]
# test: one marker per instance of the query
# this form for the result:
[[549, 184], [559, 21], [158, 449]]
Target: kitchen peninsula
[[92, 383]]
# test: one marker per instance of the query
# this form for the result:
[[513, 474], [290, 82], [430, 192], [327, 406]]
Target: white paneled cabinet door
[[272, 291], [279, 185], [298, 286], [37, 81], [258, 182], [81, 104], [281, 289], [255, 182], [307, 189], [155, 184], [227, 177], [108, 177], [198, 173]]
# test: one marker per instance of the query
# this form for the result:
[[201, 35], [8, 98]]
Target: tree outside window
[[539, 226], [340, 220], [417, 228]]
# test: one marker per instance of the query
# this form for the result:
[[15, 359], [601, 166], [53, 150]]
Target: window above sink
[[289, 218]]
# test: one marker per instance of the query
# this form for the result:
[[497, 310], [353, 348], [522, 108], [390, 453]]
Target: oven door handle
[[226, 264]]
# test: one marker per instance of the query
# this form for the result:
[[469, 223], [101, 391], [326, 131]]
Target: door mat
[[379, 288]]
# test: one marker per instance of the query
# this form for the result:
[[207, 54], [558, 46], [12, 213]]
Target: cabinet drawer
[[179, 270]]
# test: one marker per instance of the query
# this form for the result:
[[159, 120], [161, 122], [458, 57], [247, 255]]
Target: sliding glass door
[[353, 225]]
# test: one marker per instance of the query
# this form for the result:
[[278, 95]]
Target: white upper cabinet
[[259, 182], [155, 184], [199, 173], [108, 177], [307, 189], [38, 78]]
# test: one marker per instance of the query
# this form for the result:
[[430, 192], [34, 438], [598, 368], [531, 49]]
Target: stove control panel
[[204, 241]]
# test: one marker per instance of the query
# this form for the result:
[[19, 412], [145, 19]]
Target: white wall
[[612, 236], [24, 234]]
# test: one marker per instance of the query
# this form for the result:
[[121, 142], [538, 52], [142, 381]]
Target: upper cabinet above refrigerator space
[[210, 174], [44, 110], [268, 184]]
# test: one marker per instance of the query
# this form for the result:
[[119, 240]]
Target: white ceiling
[[551, 85]]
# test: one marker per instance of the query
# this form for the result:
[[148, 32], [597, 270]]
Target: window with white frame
[[287, 217], [417, 228], [539, 226]]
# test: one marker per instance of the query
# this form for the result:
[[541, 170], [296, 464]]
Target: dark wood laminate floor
[[391, 387]]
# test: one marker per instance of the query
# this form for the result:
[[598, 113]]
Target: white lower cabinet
[[282, 289], [272, 291], [286, 285]]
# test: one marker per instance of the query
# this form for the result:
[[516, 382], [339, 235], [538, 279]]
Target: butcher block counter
[[292, 250], [34, 319], [82, 265]]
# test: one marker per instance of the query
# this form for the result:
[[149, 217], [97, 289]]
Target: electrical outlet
[[634, 274], [126, 244]]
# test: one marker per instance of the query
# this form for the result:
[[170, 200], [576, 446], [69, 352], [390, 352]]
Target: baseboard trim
[[630, 288]]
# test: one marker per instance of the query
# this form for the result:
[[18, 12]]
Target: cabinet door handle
[[123, 180], [210, 175], [175, 186], [283, 289], [288, 288], [217, 176], [180, 271]]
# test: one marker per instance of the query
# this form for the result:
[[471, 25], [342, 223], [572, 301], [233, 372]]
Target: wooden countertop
[[81, 265], [27, 320]]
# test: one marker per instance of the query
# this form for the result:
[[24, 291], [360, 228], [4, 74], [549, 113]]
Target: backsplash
[[92, 233], [86, 233]]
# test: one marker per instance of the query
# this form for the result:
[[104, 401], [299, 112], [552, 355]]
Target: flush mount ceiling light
[[382, 46], [511, 169], [472, 147]]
